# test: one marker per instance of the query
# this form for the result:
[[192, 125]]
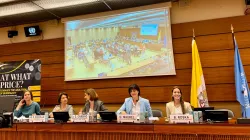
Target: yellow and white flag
[[198, 97]]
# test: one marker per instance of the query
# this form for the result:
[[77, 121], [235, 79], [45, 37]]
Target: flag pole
[[193, 34], [232, 29]]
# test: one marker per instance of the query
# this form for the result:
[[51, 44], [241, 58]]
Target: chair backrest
[[157, 113], [230, 112], [42, 112]]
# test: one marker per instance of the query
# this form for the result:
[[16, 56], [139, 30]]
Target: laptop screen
[[7, 103], [217, 115], [61, 116], [203, 111], [107, 115]]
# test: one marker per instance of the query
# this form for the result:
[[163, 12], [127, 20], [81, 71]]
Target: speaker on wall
[[247, 2], [12, 33]]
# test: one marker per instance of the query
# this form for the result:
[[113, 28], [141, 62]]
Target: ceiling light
[[31, 7], [18, 9], [5, 1], [50, 4]]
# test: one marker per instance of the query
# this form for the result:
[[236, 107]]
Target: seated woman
[[177, 105], [135, 104], [63, 105], [92, 102], [26, 106]]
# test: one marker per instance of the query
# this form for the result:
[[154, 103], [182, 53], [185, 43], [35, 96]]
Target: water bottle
[[90, 116], [142, 117], [46, 114], [196, 117], [191, 113], [146, 117], [95, 116], [30, 119], [200, 116]]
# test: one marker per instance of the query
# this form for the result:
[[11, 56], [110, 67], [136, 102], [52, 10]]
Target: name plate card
[[181, 118], [80, 118], [126, 118], [37, 118]]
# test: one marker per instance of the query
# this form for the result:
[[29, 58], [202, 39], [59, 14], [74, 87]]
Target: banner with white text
[[15, 76]]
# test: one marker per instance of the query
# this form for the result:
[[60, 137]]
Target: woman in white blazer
[[177, 105]]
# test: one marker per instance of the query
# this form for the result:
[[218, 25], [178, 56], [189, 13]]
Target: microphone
[[44, 102], [42, 112]]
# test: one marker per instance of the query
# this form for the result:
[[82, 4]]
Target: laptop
[[61, 116], [7, 103], [203, 109], [217, 115], [107, 115], [243, 121]]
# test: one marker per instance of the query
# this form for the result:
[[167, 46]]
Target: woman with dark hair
[[135, 104], [63, 105], [26, 106], [177, 105], [92, 102]]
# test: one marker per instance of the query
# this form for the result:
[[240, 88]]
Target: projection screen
[[133, 44]]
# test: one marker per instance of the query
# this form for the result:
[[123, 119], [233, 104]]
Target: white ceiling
[[38, 5], [16, 12]]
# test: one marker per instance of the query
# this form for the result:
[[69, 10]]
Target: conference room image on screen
[[126, 45]]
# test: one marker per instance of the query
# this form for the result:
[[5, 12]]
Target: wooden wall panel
[[243, 39], [204, 43], [222, 92], [49, 57], [32, 47], [208, 59], [53, 70], [209, 27], [217, 75], [213, 42], [212, 58]]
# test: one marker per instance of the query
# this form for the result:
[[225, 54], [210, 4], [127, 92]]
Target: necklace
[[178, 105]]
